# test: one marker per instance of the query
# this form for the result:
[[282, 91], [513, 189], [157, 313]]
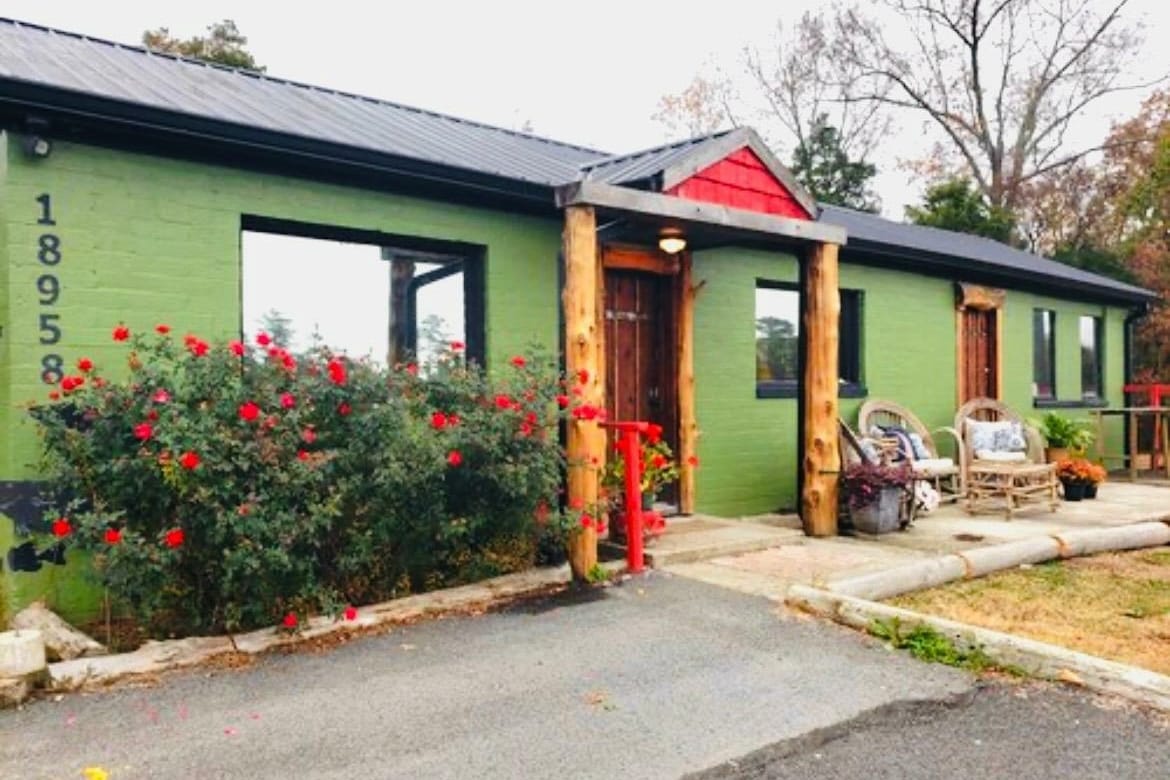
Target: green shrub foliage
[[223, 486]]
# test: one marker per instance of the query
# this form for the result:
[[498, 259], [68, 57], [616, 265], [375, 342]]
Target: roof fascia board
[[624, 199], [709, 153]]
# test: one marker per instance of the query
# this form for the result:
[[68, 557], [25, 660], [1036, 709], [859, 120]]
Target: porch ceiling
[[702, 223]]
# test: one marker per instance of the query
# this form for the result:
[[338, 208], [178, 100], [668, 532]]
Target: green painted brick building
[[133, 197]]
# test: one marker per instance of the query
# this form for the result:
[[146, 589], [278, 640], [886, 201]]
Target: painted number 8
[[50, 249], [51, 369]]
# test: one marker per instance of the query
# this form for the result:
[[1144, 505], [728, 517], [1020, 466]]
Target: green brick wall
[[149, 240], [748, 446]]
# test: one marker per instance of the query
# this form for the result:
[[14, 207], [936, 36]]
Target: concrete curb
[[1036, 658], [985, 560], [155, 657]]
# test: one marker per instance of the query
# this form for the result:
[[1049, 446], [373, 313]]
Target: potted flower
[[1063, 436], [659, 469], [1097, 475], [1076, 475], [875, 493]]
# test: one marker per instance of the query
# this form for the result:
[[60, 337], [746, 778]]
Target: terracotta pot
[[1053, 454]]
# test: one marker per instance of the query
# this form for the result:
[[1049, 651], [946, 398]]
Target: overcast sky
[[587, 73]]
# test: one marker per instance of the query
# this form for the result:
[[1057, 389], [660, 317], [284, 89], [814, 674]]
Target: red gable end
[[742, 181]]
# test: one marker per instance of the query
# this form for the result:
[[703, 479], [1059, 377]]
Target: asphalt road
[[998, 731], [655, 678]]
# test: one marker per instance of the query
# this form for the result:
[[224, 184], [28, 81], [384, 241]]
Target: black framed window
[[1090, 336], [777, 320], [1043, 354], [393, 298]]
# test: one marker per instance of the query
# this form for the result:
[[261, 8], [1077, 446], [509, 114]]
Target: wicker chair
[[942, 472], [1028, 478]]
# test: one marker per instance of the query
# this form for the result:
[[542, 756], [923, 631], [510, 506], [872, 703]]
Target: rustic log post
[[688, 428], [822, 308], [583, 345]]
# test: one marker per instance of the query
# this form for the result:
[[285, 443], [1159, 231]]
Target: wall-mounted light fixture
[[671, 241], [37, 147]]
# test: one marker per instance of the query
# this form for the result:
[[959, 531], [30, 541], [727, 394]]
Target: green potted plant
[[875, 493], [1063, 436]]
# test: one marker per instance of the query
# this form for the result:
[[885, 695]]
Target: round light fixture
[[672, 242]]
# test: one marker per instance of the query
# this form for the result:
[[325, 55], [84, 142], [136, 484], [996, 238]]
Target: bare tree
[[703, 107], [806, 86], [1004, 80]]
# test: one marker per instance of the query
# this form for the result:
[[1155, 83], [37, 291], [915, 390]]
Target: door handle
[[653, 396]]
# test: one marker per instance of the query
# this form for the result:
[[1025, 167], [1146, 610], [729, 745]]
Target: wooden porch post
[[583, 353], [688, 427], [822, 309]]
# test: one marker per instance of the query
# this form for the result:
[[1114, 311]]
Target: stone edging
[[1037, 658], [985, 560], [155, 657]]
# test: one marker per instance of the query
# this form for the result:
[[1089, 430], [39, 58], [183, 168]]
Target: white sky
[[590, 74]]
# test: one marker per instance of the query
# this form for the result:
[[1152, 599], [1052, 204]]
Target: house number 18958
[[48, 286]]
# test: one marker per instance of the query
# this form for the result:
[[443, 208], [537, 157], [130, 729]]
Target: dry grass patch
[[1114, 605]]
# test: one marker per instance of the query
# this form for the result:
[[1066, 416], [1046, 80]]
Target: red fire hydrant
[[632, 454]]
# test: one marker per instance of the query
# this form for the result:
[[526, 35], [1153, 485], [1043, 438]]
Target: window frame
[[1098, 356], [850, 350], [1052, 396], [472, 258]]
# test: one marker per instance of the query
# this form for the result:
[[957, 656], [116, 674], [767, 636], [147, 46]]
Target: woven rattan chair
[[944, 473], [1011, 483]]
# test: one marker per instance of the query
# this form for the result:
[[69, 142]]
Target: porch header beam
[[750, 224]]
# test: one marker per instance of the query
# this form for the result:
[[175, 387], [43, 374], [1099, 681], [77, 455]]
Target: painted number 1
[[46, 210]]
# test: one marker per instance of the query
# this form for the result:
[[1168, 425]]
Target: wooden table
[[1013, 484], [1134, 415]]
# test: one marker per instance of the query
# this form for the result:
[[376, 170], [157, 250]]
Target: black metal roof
[[96, 81], [871, 232], [132, 74]]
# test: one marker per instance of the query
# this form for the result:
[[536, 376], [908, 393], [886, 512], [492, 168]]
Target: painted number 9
[[49, 288]]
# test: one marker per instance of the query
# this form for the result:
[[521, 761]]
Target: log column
[[583, 357], [822, 309], [688, 428]]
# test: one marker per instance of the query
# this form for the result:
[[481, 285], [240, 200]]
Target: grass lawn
[[1114, 605]]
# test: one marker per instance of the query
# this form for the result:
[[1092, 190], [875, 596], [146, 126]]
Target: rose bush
[[223, 486]]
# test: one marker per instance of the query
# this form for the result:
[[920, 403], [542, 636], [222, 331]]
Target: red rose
[[189, 460], [289, 362], [263, 339], [457, 346], [152, 415], [452, 419], [287, 401], [412, 369], [336, 370], [525, 429], [693, 461], [113, 536], [302, 455], [350, 613], [173, 538], [143, 431], [503, 402], [658, 462], [163, 329], [600, 526], [586, 521], [438, 421], [249, 411], [198, 347], [290, 620], [454, 458], [85, 365], [519, 362], [344, 409], [270, 421], [309, 436], [61, 527], [54, 395], [562, 400], [583, 376], [121, 333], [237, 348], [577, 503], [654, 433], [530, 418], [161, 396]]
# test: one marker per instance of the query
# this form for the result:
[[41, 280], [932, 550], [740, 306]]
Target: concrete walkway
[[650, 679], [793, 558]]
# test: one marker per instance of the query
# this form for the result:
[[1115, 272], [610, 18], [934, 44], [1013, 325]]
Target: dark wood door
[[639, 332], [980, 358]]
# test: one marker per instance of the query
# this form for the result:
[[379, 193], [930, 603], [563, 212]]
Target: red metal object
[[1153, 394], [632, 453], [742, 181]]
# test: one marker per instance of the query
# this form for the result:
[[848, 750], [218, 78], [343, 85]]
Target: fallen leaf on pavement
[[1064, 675]]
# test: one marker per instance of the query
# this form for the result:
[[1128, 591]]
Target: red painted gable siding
[[741, 180]]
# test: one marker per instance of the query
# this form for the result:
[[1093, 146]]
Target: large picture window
[[778, 367], [375, 296], [1043, 354], [1090, 333]]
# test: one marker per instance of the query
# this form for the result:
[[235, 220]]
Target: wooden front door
[[640, 382], [980, 345]]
